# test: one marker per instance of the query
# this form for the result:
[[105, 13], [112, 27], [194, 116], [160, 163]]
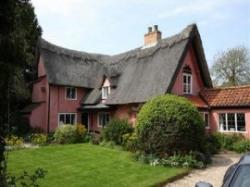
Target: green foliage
[[26, 180], [115, 130], [38, 139], [66, 134], [212, 144], [186, 161], [130, 142], [226, 141], [14, 142], [81, 133], [176, 160], [169, 124], [241, 146]]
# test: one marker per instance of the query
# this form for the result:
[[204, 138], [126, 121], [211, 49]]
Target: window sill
[[69, 99], [243, 132]]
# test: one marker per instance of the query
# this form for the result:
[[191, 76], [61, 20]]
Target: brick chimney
[[152, 37]]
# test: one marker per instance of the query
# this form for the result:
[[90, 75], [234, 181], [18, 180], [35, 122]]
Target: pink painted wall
[[38, 117], [214, 119], [39, 92], [197, 83], [59, 104], [126, 112]]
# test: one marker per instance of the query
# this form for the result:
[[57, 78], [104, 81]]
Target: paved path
[[213, 173]]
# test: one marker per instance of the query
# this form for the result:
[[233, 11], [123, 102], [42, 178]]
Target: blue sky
[[112, 26]]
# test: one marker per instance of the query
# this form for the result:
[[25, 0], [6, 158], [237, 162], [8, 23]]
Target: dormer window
[[105, 92], [71, 93], [187, 80]]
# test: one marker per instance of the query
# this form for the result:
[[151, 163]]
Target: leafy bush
[[67, 134], [14, 142], [38, 139], [226, 141], [241, 146], [130, 142], [169, 124], [26, 179], [115, 129], [81, 133], [212, 144]]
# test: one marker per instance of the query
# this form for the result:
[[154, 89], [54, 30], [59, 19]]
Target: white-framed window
[[187, 83], [232, 122], [105, 92], [70, 93], [103, 119], [66, 118], [205, 117]]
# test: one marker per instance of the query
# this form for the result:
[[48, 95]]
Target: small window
[[71, 93], [187, 83], [103, 119], [105, 92], [233, 122], [67, 118]]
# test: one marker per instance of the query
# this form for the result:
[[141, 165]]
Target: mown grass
[[88, 165]]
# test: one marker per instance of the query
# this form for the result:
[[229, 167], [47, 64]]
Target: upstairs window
[[187, 80], [233, 122], [71, 93], [105, 92]]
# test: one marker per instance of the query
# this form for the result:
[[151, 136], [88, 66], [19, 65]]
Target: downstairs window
[[67, 118], [233, 122], [103, 119]]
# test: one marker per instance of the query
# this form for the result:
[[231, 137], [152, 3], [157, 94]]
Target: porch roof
[[94, 107]]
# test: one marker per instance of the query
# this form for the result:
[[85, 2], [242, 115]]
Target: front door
[[85, 119]]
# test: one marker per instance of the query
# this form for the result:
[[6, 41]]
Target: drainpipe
[[48, 111]]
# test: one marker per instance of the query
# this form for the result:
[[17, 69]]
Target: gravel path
[[213, 173]]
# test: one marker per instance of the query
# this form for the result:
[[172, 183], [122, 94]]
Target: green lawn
[[87, 165]]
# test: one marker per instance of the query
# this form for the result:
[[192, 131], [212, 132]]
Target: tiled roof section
[[197, 101], [228, 96]]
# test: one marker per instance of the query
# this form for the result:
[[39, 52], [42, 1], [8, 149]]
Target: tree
[[19, 32], [231, 67]]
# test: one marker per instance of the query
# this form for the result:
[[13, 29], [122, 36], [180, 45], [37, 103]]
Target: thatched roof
[[136, 75]]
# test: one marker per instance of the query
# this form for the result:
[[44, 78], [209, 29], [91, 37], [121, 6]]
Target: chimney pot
[[149, 29], [155, 27]]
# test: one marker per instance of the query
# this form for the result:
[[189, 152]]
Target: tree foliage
[[232, 67], [169, 124], [19, 32]]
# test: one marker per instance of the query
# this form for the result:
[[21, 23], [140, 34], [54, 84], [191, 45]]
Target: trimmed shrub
[[115, 130], [168, 124], [38, 139]]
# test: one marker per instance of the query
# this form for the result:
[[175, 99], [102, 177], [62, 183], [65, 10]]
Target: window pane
[[222, 122], [67, 118], [241, 125], [73, 93], [72, 119], [206, 120], [68, 92], [61, 118], [231, 121]]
